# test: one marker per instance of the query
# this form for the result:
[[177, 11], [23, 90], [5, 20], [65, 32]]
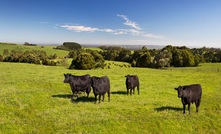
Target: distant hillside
[[131, 47], [48, 49]]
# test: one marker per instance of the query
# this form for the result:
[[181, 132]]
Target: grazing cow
[[132, 81], [78, 83], [100, 85], [189, 94]]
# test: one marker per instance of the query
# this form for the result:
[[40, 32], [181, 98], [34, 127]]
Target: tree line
[[159, 58], [33, 56], [169, 56]]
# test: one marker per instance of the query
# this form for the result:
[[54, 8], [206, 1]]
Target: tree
[[1, 58], [5, 52], [177, 58], [124, 55], [26, 44], [83, 61], [99, 60], [163, 59], [144, 60], [110, 54], [188, 58], [72, 45]]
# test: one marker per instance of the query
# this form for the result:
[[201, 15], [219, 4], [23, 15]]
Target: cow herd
[[101, 85]]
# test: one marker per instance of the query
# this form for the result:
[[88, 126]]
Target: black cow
[[78, 83], [100, 85], [132, 81], [189, 94]]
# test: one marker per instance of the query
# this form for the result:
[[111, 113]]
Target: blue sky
[[132, 22]]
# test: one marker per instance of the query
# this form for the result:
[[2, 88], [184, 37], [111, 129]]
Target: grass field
[[48, 49], [34, 99]]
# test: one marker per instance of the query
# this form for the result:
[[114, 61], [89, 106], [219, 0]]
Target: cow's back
[[81, 82], [100, 84], [135, 81], [195, 92], [105, 83]]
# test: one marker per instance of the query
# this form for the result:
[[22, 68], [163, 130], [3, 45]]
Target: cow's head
[[179, 91], [128, 78], [94, 81], [67, 78]]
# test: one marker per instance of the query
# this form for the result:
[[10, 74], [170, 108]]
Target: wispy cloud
[[79, 28], [129, 22], [134, 29]]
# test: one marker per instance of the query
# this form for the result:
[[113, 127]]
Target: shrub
[[72, 45], [46, 62], [83, 61], [1, 58], [99, 60]]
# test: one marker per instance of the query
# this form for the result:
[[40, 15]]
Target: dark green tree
[[177, 58], [144, 60], [188, 58], [99, 60], [72, 45], [163, 59], [84, 61]]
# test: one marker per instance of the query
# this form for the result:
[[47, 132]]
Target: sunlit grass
[[34, 99], [48, 49]]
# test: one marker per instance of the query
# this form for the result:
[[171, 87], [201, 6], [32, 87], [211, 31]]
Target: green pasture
[[48, 49], [34, 99]]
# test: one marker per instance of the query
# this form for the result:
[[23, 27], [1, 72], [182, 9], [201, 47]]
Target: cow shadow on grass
[[119, 92], [74, 100], [83, 99], [65, 96], [166, 108]]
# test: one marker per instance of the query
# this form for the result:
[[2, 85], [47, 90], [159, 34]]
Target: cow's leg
[[103, 97], [184, 107], [77, 94], [189, 108], [127, 91], [95, 96], [99, 98], [88, 91], [74, 94], [131, 91], [138, 90], [197, 105], [108, 93]]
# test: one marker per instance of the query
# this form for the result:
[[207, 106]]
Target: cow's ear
[[175, 88]]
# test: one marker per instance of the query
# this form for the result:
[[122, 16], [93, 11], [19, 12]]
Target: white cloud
[[134, 30], [107, 30], [151, 36], [129, 22], [80, 28]]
